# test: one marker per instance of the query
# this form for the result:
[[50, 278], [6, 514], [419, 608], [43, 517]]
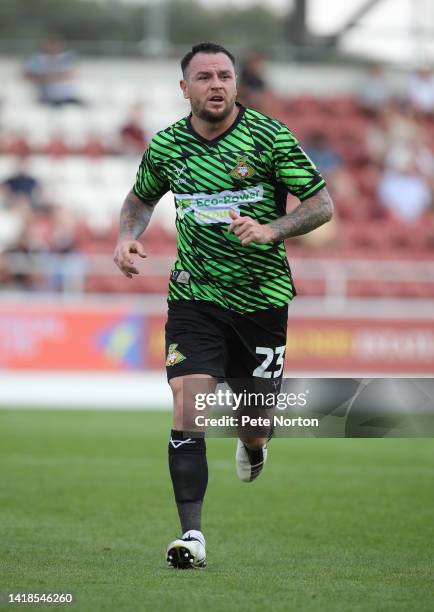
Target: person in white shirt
[[421, 91], [53, 72], [404, 192]]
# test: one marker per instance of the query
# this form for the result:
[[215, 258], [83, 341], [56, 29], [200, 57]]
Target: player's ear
[[183, 85]]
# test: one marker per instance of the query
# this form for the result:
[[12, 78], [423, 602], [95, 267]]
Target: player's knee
[[254, 443]]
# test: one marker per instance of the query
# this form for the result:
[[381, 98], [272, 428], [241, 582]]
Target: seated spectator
[[375, 90], [404, 193], [253, 90], [15, 276], [341, 184], [53, 70], [132, 133], [63, 234], [421, 91], [17, 257], [322, 153], [395, 129], [22, 185]]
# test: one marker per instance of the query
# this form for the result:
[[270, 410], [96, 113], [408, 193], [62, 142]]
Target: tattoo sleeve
[[308, 215], [135, 216]]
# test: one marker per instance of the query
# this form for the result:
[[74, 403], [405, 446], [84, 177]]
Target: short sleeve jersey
[[248, 169]]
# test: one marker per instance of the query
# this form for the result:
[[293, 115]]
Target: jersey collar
[[225, 133]]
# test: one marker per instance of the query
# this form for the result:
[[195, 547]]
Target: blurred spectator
[[398, 137], [11, 225], [53, 71], [253, 90], [13, 269], [395, 130], [322, 153], [31, 241], [44, 235], [63, 234], [421, 91], [404, 192], [63, 241], [340, 182], [375, 90], [132, 133], [22, 185]]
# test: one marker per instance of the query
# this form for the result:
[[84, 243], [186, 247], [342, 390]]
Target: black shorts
[[203, 338]]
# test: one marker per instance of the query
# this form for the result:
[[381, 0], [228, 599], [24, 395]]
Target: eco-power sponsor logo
[[215, 208]]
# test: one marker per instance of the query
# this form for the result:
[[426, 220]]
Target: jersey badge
[[174, 356], [242, 170]]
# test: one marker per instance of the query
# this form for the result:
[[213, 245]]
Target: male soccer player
[[230, 169]]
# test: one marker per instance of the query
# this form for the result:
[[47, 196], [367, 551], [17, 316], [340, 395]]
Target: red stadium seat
[[310, 287]]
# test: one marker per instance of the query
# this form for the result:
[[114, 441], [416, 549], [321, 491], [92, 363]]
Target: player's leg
[[194, 361], [187, 449], [259, 343], [251, 453], [188, 468]]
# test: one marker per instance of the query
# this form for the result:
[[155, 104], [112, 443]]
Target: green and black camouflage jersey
[[249, 169]]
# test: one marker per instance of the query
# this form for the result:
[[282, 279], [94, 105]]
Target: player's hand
[[123, 256], [248, 230]]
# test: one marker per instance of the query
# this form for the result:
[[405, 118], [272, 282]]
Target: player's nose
[[216, 83]]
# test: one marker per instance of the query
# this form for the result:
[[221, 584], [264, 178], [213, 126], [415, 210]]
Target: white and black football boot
[[187, 552], [249, 462]]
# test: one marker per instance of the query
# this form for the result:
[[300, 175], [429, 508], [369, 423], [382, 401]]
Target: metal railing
[[69, 272]]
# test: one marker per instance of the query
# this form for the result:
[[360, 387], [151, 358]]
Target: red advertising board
[[68, 337], [38, 337], [360, 345]]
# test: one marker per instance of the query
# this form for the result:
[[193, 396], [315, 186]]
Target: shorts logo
[[242, 170], [174, 356]]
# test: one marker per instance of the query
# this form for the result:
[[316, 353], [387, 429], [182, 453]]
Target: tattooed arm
[[308, 215], [135, 217]]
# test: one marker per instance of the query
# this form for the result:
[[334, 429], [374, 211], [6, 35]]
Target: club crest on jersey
[[242, 170], [174, 356]]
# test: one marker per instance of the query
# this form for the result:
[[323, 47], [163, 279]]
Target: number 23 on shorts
[[262, 370]]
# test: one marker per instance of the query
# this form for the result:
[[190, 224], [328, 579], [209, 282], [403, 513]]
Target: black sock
[[189, 472]]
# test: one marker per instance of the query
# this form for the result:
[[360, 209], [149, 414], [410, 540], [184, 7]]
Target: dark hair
[[205, 47]]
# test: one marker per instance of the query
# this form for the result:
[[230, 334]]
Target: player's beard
[[198, 109]]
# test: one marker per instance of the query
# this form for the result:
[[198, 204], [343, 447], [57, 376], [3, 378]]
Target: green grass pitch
[[331, 525]]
